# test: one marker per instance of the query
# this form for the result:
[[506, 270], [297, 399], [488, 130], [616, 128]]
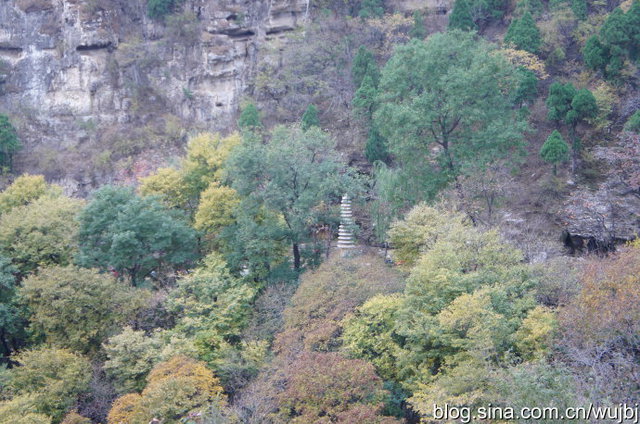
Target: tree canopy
[[77, 308], [554, 150], [524, 34], [49, 380], [294, 174], [40, 233], [446, 108], [310, 118], [132, 235]]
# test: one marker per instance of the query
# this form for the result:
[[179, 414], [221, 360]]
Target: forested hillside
[[173, 174]]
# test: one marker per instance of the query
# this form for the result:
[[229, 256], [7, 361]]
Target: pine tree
[[633, 123], [527, 89], [559, 100], [524, 34], [534, 6], [615, 31], [364, 99], [595, 54], [461, 16], [250, 118], [554, 150], [364, 63], [418, 30], [371, 9], [583, 107], [9, 141], [310, 118], [579, 8], [633, 25], [376, 148]]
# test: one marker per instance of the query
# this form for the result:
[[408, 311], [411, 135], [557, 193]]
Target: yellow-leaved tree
[[182, 186], [26, 189], [176, 389]]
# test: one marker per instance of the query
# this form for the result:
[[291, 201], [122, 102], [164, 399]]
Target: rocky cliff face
[[598, 218], [80, 76]]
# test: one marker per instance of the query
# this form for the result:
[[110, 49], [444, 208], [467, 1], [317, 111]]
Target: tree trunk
[[296, 256]]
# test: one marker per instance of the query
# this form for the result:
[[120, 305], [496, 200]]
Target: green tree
[[559, 100], [364, 102], [53, 378], [130, 356], [158, 9], [9, 142], [310, 118], [536, 383], [463, 300], [256, 243], [583, 107], [554, 150], [12, 324], [371, 9], [461, 17], [40, 233], [616, 41], [615, 31], [633, 123], [418, 30], [451, 92], [130, 234], [77, 308], [524, 34], [571, 106], [211, 303], [370, 334], [376, 148], [580, 9], [293, 174], [633, 26], [596, 55], [527, 89], [364, 63], [249, 118], [364, 99]]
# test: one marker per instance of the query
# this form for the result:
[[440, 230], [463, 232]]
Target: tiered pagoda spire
[[346, 239]]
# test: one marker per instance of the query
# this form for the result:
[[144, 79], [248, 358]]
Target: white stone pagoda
[[346, 239]]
